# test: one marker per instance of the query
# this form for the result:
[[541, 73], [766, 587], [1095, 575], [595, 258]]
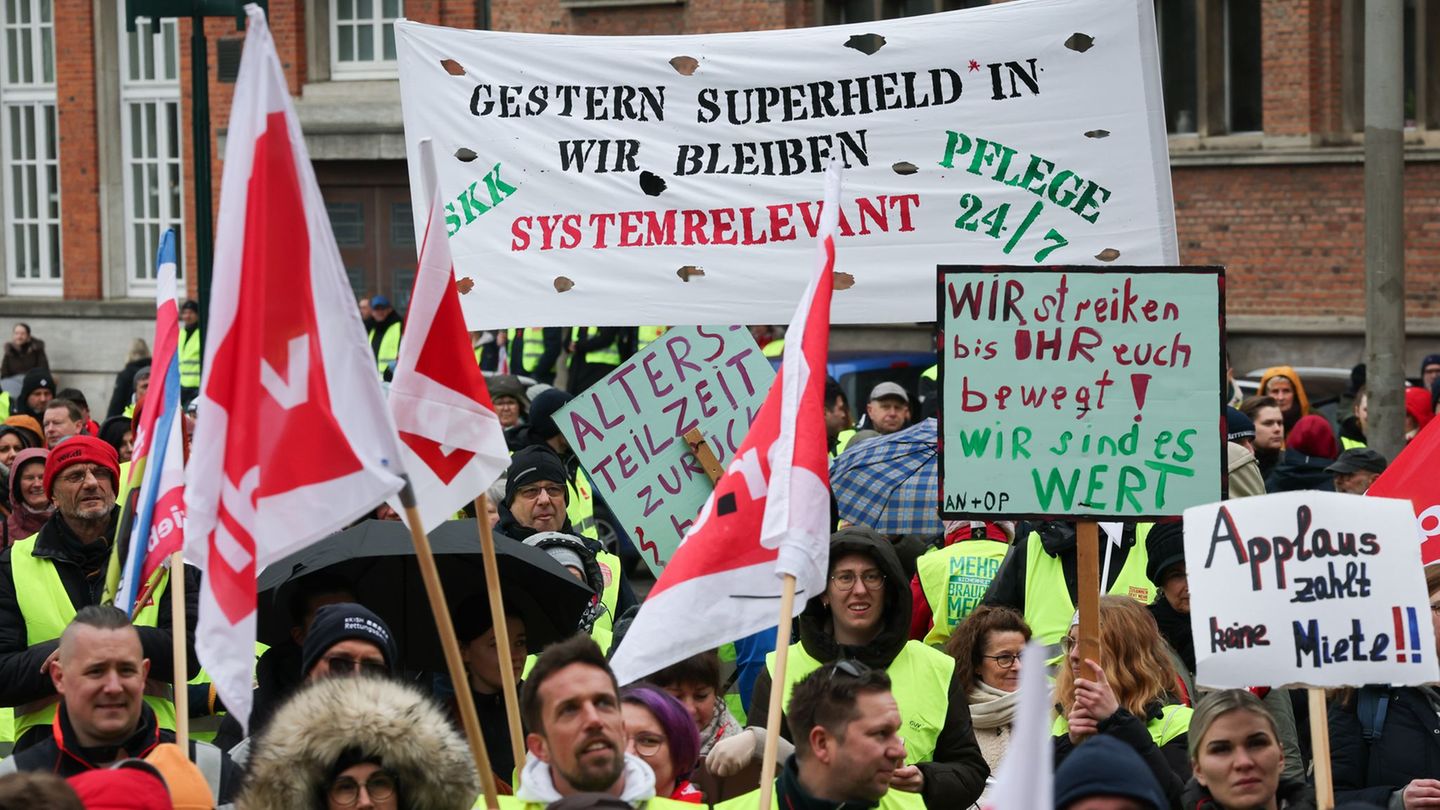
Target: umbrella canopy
[[377, 560], [891, 483]]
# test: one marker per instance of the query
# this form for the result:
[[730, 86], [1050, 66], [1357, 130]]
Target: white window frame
[[152, 89], [38, 208], [379, 22]]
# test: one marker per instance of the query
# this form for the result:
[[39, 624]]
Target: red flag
[[1411, 476], [293, 440], [454, 446], [769, 514]]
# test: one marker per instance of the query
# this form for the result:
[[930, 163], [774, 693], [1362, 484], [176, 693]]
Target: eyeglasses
[[1005, 660], [847, 666], [648, 745], [346, 791], [533, 491], [78, 474], [342, 665], [1067, 643], [845, 580]]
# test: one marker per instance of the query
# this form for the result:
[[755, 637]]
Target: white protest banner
[[1308, 588], [628, 429], [1079, 391], [630, 180]]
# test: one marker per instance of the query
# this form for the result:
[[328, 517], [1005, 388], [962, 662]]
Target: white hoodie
[[536, 784]]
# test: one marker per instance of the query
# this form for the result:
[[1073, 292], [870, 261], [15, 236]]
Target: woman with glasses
[[343, 743], [986, 648], [1383, 739], [1129, 694], [864, 615], [661, 733]]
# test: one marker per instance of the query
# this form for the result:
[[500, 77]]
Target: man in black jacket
[[70, 553], [100, 673]]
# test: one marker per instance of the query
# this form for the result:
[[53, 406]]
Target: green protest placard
[[628, 428], [1080, 392]]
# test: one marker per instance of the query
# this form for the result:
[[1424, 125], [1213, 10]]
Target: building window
[[362, 38], [1175, 21], [31, 180], [1211, 66], [838, 12], [150, 140], [1243, 87], [1421, 65]]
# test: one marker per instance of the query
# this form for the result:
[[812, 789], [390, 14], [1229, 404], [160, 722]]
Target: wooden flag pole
[[777, 690], [702, 451], [502, 634], [1320, 750], [178, 638], [466, 701], [1087, 589]]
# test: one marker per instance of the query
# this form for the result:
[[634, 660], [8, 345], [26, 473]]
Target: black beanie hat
[[1104, 766], [542, 412], [35, 379], [531, 464], [1164, 547], [344, 621]]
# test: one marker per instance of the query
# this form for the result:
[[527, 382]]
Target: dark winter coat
[[1058, 537], [290, 765], [1169, 764], [125, 387], [20, 360], [82, 572], [1408, 747], [1293, 794], [65, 757], [956, 775], [1297, 471]]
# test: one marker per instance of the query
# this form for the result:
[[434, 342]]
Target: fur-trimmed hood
[[408, 732]]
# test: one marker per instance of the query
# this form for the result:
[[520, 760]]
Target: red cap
[[81, 450], [121, 789]]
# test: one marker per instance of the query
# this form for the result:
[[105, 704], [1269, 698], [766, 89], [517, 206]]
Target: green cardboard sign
[[628, 429], [1080, 392]]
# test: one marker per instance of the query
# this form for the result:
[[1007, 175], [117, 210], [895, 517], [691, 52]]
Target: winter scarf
[[537, 786], [991, 707], [722, 725]]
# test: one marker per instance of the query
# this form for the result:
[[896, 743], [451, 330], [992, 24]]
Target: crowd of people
[[894, 694]]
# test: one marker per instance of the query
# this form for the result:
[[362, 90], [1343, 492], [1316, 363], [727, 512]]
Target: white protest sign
[[1308, 588], [677, 179]]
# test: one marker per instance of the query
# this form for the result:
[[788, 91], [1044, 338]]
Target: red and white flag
[[453, 445], [769, 514], [293, 439], [1022, 779], [1411, 476]]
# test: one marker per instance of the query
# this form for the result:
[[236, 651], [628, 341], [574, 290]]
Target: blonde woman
[[1128, 695], [1237, 759]]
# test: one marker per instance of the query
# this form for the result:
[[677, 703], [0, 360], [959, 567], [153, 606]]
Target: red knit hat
[[81, 450], [127, 788]]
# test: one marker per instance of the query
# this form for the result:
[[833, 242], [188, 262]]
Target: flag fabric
[[1022, 779], [293, 439], [1411, 476], [770, 512], [452, 444], [157, 465]]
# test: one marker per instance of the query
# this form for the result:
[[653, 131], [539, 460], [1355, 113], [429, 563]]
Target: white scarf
[[991, 707], [536, 784]]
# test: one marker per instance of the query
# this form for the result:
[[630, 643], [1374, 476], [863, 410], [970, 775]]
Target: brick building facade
[[1263, 101]]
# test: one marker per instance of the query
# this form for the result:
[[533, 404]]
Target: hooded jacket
[[1293, 794], [956, 775], [1302, 402], [537, 786], [291, 764], [21, 522]]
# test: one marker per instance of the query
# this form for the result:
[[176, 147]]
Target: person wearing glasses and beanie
[[986, 648], [864, 615]]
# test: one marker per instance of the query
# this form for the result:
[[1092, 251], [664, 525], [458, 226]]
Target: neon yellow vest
[[532, 346], [389, 347], [919, 681], [604, 356], [931, 373], [603, 630], [954, 580], [775, 348], [580, 507], [645, 335], [4, 404], [1174, 720], [47, 610], [189, 358], [842, 441], [1048, 609], [657, 803], [1347, 443]]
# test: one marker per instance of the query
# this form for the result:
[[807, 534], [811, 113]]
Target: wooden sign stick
[[1320, 750], [502, 634], [1087, 589], [178, 638], [702, 451]]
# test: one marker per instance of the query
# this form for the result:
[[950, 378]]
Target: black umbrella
[[378, 561]]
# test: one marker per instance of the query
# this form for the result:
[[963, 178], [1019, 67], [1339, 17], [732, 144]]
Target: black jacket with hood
[[1058, 539], [1293, 794], [1407, 748], [956, 775]]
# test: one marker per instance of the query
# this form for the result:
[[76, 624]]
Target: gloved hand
[[729, 756]]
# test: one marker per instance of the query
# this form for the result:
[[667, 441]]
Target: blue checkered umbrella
[[891, 483]]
